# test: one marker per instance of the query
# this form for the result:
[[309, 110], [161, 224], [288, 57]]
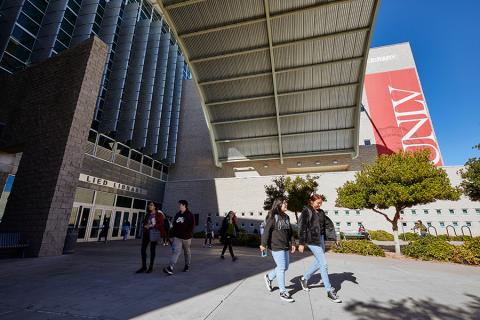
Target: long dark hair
[[276, 208], [154, 210]]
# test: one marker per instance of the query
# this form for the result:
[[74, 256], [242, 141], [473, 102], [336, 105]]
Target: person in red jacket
[[152, 221]]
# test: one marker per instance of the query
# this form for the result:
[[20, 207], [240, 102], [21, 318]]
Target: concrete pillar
[[50, 108]]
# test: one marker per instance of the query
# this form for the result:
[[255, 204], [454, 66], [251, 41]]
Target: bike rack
[[454, 231], [470, 231], [435, 229]]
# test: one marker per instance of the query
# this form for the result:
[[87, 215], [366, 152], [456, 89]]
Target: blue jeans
[[282, 259], [319, 263]]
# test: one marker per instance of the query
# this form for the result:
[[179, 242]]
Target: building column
[[51, 107]]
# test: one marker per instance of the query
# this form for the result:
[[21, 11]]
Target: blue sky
[[445, 40]]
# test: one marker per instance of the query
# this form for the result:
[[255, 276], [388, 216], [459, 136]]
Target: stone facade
[[50, 108]]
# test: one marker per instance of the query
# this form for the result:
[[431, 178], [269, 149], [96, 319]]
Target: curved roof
[[277, 78]]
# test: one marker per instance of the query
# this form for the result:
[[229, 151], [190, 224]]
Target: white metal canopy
[[277, 78]]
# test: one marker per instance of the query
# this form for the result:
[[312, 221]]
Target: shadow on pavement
[[411, 309], [336, 279]]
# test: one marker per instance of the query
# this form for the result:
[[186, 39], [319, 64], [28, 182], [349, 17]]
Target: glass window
[[105, 142], [455, 223], [468, 224], [64, 37], [425, 211], [477, 211], [67, 26], [92, 136], [404, 224], [40, 4], [10, 63], [357, 211], [105, 198], [84, 195], [18, 51], [349, 224], [59, 47], [23, 37], [347, 212], [74, 6], [251, 213], [465, 211], [139, 204], [136, 156], [367, 142], [439, 211], [337, 224], [260, 213], [451, 211], [124, 202], [165, 169], [243, 214], [251, 224], [413, 211], [70, 16], [359, 224], [429, 224], [243, 225], [147, 161], [28, 24], [402, 212], [32, 12], [336, 212], [442, 224]]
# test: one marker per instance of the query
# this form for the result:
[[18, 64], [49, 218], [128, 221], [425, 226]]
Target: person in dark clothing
[[104, 231], [208, 232], [278, 237], [314, 228], [182, 231], [152, 221], [228, 232]]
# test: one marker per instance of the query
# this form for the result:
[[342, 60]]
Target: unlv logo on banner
[[399, 112]]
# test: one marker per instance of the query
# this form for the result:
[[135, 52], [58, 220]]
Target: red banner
[[399, 113]]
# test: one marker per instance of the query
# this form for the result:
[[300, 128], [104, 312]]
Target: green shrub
[[468, 252], [409, 236], [380, 235], [361, 247], [247, 240], [430, 248], [460, 238]]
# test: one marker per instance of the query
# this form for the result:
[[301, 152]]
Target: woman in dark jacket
[[153, 221], [314, 228], [278, 237], [228, 231]]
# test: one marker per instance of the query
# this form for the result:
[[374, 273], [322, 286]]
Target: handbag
[[154, 235]]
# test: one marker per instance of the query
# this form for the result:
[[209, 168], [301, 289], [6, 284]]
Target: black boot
[[141, 270], [150, 269]]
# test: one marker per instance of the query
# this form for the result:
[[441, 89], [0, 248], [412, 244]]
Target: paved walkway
[[98, 282]]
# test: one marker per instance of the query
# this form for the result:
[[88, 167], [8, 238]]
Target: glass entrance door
[[82, 223], [117, 219], [96, 224]]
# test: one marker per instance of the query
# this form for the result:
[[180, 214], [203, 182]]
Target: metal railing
[[435, 229], [454, 231], [106, 148], [470, 231]]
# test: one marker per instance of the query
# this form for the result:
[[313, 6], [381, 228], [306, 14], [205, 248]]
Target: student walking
[[167, 225], [314, 227], [421, 228], [208, 232], [104, 231], [125, 229], [152, 232], [228, 232], [183, 225], [278, 237]]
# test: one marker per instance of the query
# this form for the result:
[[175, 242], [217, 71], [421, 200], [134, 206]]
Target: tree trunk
[[395, 233]]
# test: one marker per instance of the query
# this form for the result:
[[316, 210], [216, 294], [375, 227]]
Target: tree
[[471, 178], [274, 191], [397, 181], [299, 191]]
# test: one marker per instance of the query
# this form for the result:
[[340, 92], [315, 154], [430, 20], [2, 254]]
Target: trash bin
[[70, 241]]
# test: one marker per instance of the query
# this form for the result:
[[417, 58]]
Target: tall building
[[133, 136], [139, 100]]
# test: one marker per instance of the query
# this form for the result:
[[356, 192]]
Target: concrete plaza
[[98, 282]]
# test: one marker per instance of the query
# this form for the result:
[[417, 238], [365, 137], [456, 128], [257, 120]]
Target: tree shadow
[[336, 279], [413, 309]]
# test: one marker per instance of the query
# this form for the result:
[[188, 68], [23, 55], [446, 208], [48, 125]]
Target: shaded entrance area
[[47, 110]]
